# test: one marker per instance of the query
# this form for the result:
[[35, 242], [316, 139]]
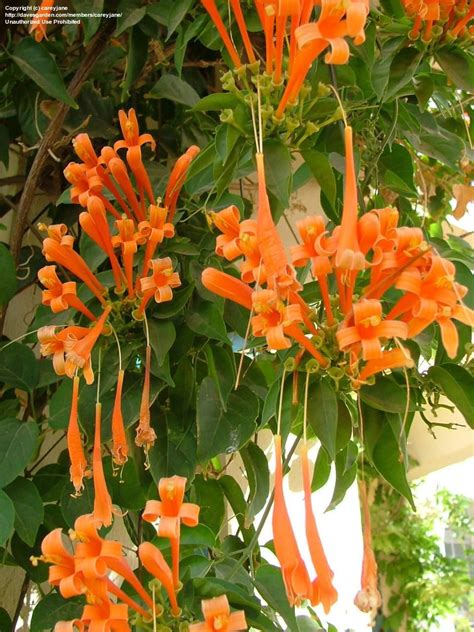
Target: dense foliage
[[406, 91]]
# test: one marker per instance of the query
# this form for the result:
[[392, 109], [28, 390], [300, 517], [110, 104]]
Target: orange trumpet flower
[[392, 359], [74, 443], [211, 8], [272, 316], [106, 616], [102, 501], [228, 222], [217, 616], [41, 18], [177, 178], [52, 343], [227, 286], [133, 142], [94, 223], [252, 269], [146, 436], [295, 575], [128, 240], [84, 183], [159, 284], [152, 559], [368, 598], [78, 352], [62, 572], [171, 510], [323, 589], [119, 171], [155, 229], [66, 257], [368, 329], [119, 438], [58, 295]]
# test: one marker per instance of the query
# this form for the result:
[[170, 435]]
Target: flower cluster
[[128, 223], [307, 27], [361, 259], [91, 566], [439, 17]]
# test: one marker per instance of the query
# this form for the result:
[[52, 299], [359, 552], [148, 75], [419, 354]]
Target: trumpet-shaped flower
[[219, 618], [41, 19], [60, 296], [152, 559], [368, 330], [272, 316], [177, 179], [159, 284], [171, 511], [77, 458]]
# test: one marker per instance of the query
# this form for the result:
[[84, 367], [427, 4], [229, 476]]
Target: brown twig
[[21, 599], [92, 52]]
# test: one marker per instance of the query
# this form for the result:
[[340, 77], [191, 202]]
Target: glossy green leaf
[[216, 102], [7, 518], [278, 171], [458, 386], [90, 25], [29, 511], [19, 367], [175, 89], [269, 584], [9, 282], [388, 460], [322, 470], [136, 59], [5, 621], [74, 506], [53, 608], [322, 414], [132, 12], [402, 69], [258, 477], [346, 470], [34, 60], [238, 504], [207, 320], [60, 406], [174, 451], [210, 497], [220, 431], [50, 480], [322, 172], [177, 13], [18, 441], [162, 337], [344, 426], [458, 66], [387, 395]]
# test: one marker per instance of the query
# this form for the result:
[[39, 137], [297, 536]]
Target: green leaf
[[7, 518], [34, 60], [29, 511], [5, 621], [90, 25], [60, 406], [127, 489], [17, 445], [216, 102], [220, 431], [387, 395], [54, 608], [322, 171], [346, 470], [402, 69], [238, 504], [210, 497], [174, 451], [207, 321], [344, 426], [136, 59], [458, 386], [388, 460], [322, 470], [458, 66], [50, 480], [74, 506], [18, 367], [278, 170], [322, 414], [222, 369], [269, 583], [9, 283], [132, 13], [178, 11], [162, 337], [175, 89], [258, 477], [171, 308]]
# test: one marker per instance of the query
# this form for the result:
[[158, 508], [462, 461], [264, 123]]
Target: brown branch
[[54, 129], [21, 599]]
